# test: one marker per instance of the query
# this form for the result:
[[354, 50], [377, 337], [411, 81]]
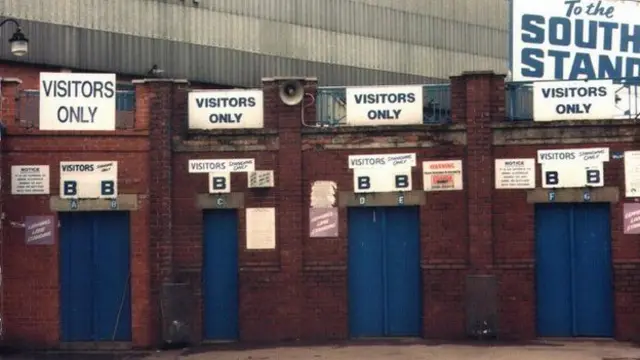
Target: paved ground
[[405, 350], [571, 350]]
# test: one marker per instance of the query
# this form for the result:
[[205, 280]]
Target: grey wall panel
[[90, 50]]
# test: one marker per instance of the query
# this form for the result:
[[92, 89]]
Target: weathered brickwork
[[299, 290]]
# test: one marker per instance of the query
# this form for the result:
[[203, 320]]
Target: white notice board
[[30, 180], [261, 228]]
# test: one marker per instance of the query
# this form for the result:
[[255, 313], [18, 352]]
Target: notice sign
[[574, 100], [442, 175], [515, 173], [632, 218], [385, 105], [39, 230], [89, 180], [261, 228], [30, 180], [323, 222], [222, 165], [632, 173], [226, 109], [77, 101], [382, 161], [574, 39]]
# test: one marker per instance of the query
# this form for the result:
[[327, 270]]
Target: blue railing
[[331, 107], [519, 101], [28, 113]]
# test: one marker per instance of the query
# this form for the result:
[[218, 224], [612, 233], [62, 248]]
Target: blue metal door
[[574, 285], [384, 272], [95, 290], [220, 275]]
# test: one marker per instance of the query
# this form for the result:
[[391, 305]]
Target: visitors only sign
[[226, 109], [89, 179], [385, 105], [575, 39], [574, 100], [382, 172], [573, 168], [221, 165], [77, 101]]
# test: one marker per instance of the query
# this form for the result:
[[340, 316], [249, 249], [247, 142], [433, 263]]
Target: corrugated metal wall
[[380, 41]]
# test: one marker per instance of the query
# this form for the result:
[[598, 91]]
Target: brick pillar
[[159, 111], [482, 94], [290, 194]]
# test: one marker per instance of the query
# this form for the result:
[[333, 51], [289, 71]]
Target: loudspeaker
[[291, 92]]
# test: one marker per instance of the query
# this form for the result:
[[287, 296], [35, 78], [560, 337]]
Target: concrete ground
[[379, 350], [415, 350]]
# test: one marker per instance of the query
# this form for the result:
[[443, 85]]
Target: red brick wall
[[299, 290]]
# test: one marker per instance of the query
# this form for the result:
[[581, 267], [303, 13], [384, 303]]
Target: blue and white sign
[[382, 161], [574, 100], [384, 105], [221, 165], [575, 39], [77, 102], [573, 168], [370, 180], [88, 179], [226, 109]]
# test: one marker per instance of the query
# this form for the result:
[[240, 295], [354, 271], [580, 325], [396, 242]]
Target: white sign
[[226, 109], [219, 182], [223, 165], [323, 194], [261, 228], [382, 160], [30, 180], [386, 105], [515, 173], [77, 101], [442, 175], [632, 173], [89, 179], [572, 174], [574, 155], [574, 39], [574, 100], [381, 180]]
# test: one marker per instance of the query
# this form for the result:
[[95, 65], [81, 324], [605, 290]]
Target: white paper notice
[[515, 173], [261, 228], [632, 173]]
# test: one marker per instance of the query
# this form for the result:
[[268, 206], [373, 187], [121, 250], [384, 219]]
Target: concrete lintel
[[124, 202], [10, 80], [610, 194], [233, 200], [154, 80], [408, 198]]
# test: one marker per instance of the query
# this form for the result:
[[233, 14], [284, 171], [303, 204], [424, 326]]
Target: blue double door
[[574, 276], [95, 289], [220, 275], [384, 281]]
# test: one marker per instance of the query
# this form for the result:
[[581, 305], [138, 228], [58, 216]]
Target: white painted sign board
[[573, 168], [200, 166], [384, 105], [574, 100], [381, 180], [77, 101], [442, 175], [88, 179], [632, 174], [226, 109], [219, 182], [261, 228], [30, 180], [382, 161], [515, 173]]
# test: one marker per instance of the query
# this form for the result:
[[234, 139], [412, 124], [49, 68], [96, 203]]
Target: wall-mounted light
[[19, 43]]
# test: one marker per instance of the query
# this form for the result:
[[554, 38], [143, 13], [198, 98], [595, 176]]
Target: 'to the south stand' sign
[[382, 172], [574, 39], [89, 180], [77, 102], [573, 168], [228, 109], [385, 105]]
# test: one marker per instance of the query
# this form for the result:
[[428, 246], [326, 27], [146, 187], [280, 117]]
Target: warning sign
[[442, 175]]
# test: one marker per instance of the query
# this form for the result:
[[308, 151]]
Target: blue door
[[220, 275], [384, 272], [574, 279], [95, 291]]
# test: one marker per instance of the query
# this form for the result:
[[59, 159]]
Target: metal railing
[[519, 101], [28, 109], [331, 106]]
